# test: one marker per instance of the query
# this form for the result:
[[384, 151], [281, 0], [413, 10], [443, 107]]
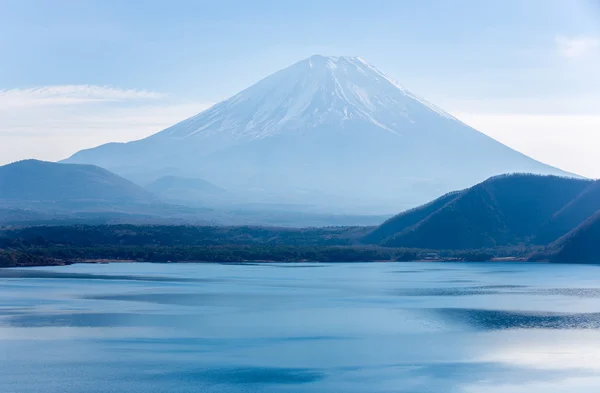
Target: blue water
[[361, 327]]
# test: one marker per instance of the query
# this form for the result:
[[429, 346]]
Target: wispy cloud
[[70, 95], [53, 122], [568, 141], [576, 47]]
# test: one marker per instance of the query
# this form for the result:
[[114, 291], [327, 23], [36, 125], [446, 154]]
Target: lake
[[356, 327]]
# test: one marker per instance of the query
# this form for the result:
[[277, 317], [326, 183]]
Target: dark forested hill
[[503, 210], [571, 215], [408, 218], [581, 245], [12, 258]]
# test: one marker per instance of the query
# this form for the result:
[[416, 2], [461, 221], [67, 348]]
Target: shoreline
[[117, 261]]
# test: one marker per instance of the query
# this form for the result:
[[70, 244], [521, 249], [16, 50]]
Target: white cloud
[[580, 104], [567, 141], [69, 95], [52, 122], [560, 130], [576, 47]]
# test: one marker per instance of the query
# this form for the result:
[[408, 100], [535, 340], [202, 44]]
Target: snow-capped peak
[[319, 91], [326, 131]]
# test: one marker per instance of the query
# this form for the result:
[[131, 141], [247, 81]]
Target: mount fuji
[[332, 132]]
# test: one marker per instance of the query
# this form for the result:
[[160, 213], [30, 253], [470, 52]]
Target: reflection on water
[[248, 375], [372, 327], [497, 319]]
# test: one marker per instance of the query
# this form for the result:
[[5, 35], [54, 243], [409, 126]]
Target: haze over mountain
[[49, 182], [175, 187], [502, 211], [39, 192], [334, 132], [33, 191]]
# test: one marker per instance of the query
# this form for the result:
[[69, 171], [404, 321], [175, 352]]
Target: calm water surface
[[361, 327]]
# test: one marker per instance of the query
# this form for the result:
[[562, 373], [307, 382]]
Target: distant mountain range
[[558, 218], [502, 211], [330, 132], [33, 180], [38, 192], [33, 191], [176, 188]]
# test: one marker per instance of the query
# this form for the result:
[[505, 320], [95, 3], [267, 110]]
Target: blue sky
[[78, 73]]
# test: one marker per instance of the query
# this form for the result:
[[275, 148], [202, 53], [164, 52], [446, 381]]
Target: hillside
[[582, 245], [11, 258], [331, 132], [571, 215], [408, 218], [33, 180], [501, 211], [44, 193], [177, 183], [185, 190]]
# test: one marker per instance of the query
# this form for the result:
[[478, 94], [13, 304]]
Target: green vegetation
[[177, 235], [12, 258], [503, 211], [581, 245], [67, 244], [516, 216]]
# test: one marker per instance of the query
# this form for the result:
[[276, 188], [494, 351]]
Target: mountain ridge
[[35, 180], [579, 245], [328, 131], [501, 211]]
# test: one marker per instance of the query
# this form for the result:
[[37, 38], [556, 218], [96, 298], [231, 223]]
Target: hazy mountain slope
[[329, 131], [182, 187], [40, 193], [501, 211], [580, 245], [12, 215], [33, 180]]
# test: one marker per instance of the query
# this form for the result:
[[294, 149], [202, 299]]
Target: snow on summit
[[331, 131], [315, 91]]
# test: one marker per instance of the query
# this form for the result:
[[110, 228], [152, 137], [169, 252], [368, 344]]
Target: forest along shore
[[61, 245]]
